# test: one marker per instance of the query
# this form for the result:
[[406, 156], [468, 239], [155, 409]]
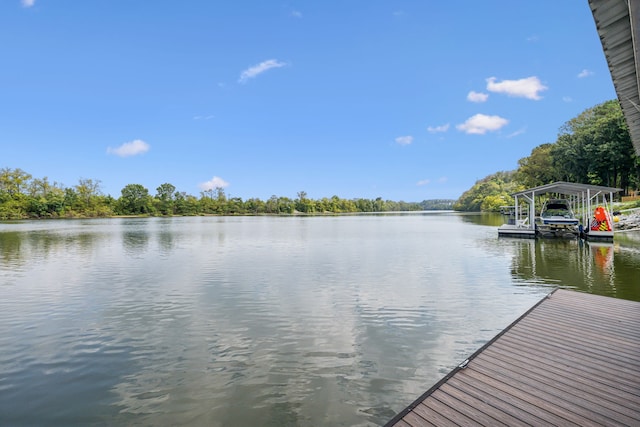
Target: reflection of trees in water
[[83, 242], [166, 234], [135, 242], [484, 218], [166, 241], [552, 262], [135, 236], [523, 265], [593, 267], [10, 245], [18, 247], [630, 239]]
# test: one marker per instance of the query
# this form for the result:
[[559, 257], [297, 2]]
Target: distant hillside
[[437, 204]]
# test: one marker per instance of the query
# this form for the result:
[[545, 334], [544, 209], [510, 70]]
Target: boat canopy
[[582, 200], [570, 188]]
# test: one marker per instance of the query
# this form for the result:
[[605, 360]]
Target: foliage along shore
[[593, 148], [25, 197]]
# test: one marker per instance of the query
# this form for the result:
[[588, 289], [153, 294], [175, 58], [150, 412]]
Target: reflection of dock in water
[[573, 359], [587, 266]]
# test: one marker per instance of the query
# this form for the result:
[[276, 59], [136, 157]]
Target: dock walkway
[[573, 359]]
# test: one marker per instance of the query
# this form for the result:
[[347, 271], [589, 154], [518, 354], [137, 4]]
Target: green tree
[[39, 187], [304, 204], [51, 206], [595, 148], [538, 168], [70, 200], [592, 148], [88, 191], [220, 194], [46, 200], [364, 205], [13, 181], [208, 204], [235, 206], [165, 197], [255, 206], [378, 205], [286, 205], [493, 202], [186, 204], [347, 206], [495, 188], [135, 200], [13, 198], [271, 205]]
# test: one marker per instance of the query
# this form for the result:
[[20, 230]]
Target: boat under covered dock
[[584, 199]]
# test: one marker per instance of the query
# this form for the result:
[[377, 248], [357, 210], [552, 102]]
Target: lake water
[[275, 321]]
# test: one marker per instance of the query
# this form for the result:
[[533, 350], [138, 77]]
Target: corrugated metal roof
[[617, 22], [570, 188]]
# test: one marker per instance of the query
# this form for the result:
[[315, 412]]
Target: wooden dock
[[573, 359]]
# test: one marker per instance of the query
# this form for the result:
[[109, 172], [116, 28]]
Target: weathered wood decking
[[573, 359]]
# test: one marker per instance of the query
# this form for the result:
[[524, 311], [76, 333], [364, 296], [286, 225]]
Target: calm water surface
[[224, 321]]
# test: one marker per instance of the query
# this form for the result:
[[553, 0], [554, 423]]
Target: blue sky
[[404, 100]]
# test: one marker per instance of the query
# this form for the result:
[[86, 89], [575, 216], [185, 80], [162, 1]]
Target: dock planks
[[573, 359]]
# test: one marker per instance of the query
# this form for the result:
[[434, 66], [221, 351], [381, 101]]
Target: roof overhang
[[617, 22], [568, 188]]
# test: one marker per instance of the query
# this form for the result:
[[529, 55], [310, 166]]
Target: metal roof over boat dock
[[573, 359], [583, 198], [571, 188]]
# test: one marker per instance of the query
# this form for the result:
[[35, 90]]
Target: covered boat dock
[[573, 359], [583, 199]]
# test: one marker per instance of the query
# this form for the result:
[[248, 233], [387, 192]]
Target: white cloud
[[585, 73], [442, 179], [438, 129], [296, 14], [567, 99], [423, 182], [27, 3], [524, 88], [215, 182], [256, 70], [533, 38], [404, 140], [132, 148], [481, 124], [516, 133], [474, 96]]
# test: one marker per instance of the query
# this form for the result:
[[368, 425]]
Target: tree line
[[593, 148], [22, 196]]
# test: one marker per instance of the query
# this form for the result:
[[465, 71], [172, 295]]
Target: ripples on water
[[259, 321]]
